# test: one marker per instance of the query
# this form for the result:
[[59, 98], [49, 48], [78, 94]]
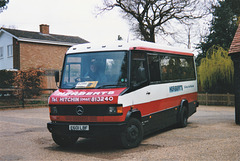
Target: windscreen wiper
[[111, 85]]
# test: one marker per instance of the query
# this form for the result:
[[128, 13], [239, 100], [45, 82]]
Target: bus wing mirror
[[57, 76]]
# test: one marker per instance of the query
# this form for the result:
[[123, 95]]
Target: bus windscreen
[[95, 70]]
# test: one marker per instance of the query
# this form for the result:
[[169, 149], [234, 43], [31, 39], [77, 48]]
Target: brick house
[[26, 49], [234, 52]]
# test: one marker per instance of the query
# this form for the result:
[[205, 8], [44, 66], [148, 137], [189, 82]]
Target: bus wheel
[[133, 134], [183, 117], [64, 140]]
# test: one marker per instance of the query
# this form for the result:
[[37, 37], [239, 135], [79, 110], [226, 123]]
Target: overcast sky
[[73, 18]]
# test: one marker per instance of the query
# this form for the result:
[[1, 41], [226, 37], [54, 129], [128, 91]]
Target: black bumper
[[95, 129]]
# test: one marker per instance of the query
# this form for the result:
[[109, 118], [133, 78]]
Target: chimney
[[44, 29]]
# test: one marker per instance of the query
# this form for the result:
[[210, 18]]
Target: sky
[[73, 18]]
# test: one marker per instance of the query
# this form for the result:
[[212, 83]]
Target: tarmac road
[[210, 135]]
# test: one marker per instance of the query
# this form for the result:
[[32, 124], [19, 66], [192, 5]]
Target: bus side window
[[138, 71], [166, 68], [177, 68], [187, 67], [170, 68], [154, 68]]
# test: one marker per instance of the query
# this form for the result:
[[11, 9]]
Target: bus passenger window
[[177, 68], [154, 69], [166, 68], [138, 72], [187, 67]]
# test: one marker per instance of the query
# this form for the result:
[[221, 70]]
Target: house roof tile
[[21, 34], [235, 46]]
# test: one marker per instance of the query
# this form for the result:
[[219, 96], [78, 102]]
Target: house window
[[1, 52], [10, 50]]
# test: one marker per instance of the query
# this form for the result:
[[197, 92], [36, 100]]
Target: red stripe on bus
[[84, 119], [145, 109], [164, 104], [162, 51]]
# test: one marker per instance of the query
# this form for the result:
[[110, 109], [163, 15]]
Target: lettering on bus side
[[85, 93], [189, 86], [85, 99], [175, 88]]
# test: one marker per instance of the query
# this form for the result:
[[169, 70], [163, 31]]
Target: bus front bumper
[[92, 130]]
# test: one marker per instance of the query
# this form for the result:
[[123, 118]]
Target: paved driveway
[[210, 135]]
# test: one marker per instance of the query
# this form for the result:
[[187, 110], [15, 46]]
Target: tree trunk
[[150, 36]]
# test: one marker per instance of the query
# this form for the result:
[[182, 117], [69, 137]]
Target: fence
[[216, 99], [9, 98]]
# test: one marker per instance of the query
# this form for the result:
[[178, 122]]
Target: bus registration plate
[[79, 127]]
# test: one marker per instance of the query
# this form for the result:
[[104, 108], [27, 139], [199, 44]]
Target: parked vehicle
[[126, 90]]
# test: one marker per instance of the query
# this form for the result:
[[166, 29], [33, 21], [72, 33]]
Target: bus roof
[[133, 45]]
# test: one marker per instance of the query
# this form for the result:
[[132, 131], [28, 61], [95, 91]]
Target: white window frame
[[10, 50], [1, 52]]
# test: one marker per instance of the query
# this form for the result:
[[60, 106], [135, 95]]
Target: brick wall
[[44, 56], [33, 55]]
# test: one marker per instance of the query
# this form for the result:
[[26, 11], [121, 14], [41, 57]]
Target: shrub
[[6, 78], [29, 81]]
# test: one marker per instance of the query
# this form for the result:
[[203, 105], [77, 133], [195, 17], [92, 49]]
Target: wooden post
[[234, 52], [206, 99], [22, 98], [228, 99], [236, 61]]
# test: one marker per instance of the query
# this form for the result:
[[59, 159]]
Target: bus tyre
[[132, 134], [64, 140], [183, 117]]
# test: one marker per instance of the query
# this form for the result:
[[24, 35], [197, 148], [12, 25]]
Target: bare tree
[[3, 5], [150, 17]]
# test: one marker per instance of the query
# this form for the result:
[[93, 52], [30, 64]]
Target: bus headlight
[[54, 110], [115, 110]]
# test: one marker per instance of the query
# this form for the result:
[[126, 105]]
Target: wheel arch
[[184, 103], [183, 114], [135, 113]]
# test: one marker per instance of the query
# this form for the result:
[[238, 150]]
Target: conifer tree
[[223, 26]]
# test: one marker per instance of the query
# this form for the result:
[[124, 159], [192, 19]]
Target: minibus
[[122, 89]]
